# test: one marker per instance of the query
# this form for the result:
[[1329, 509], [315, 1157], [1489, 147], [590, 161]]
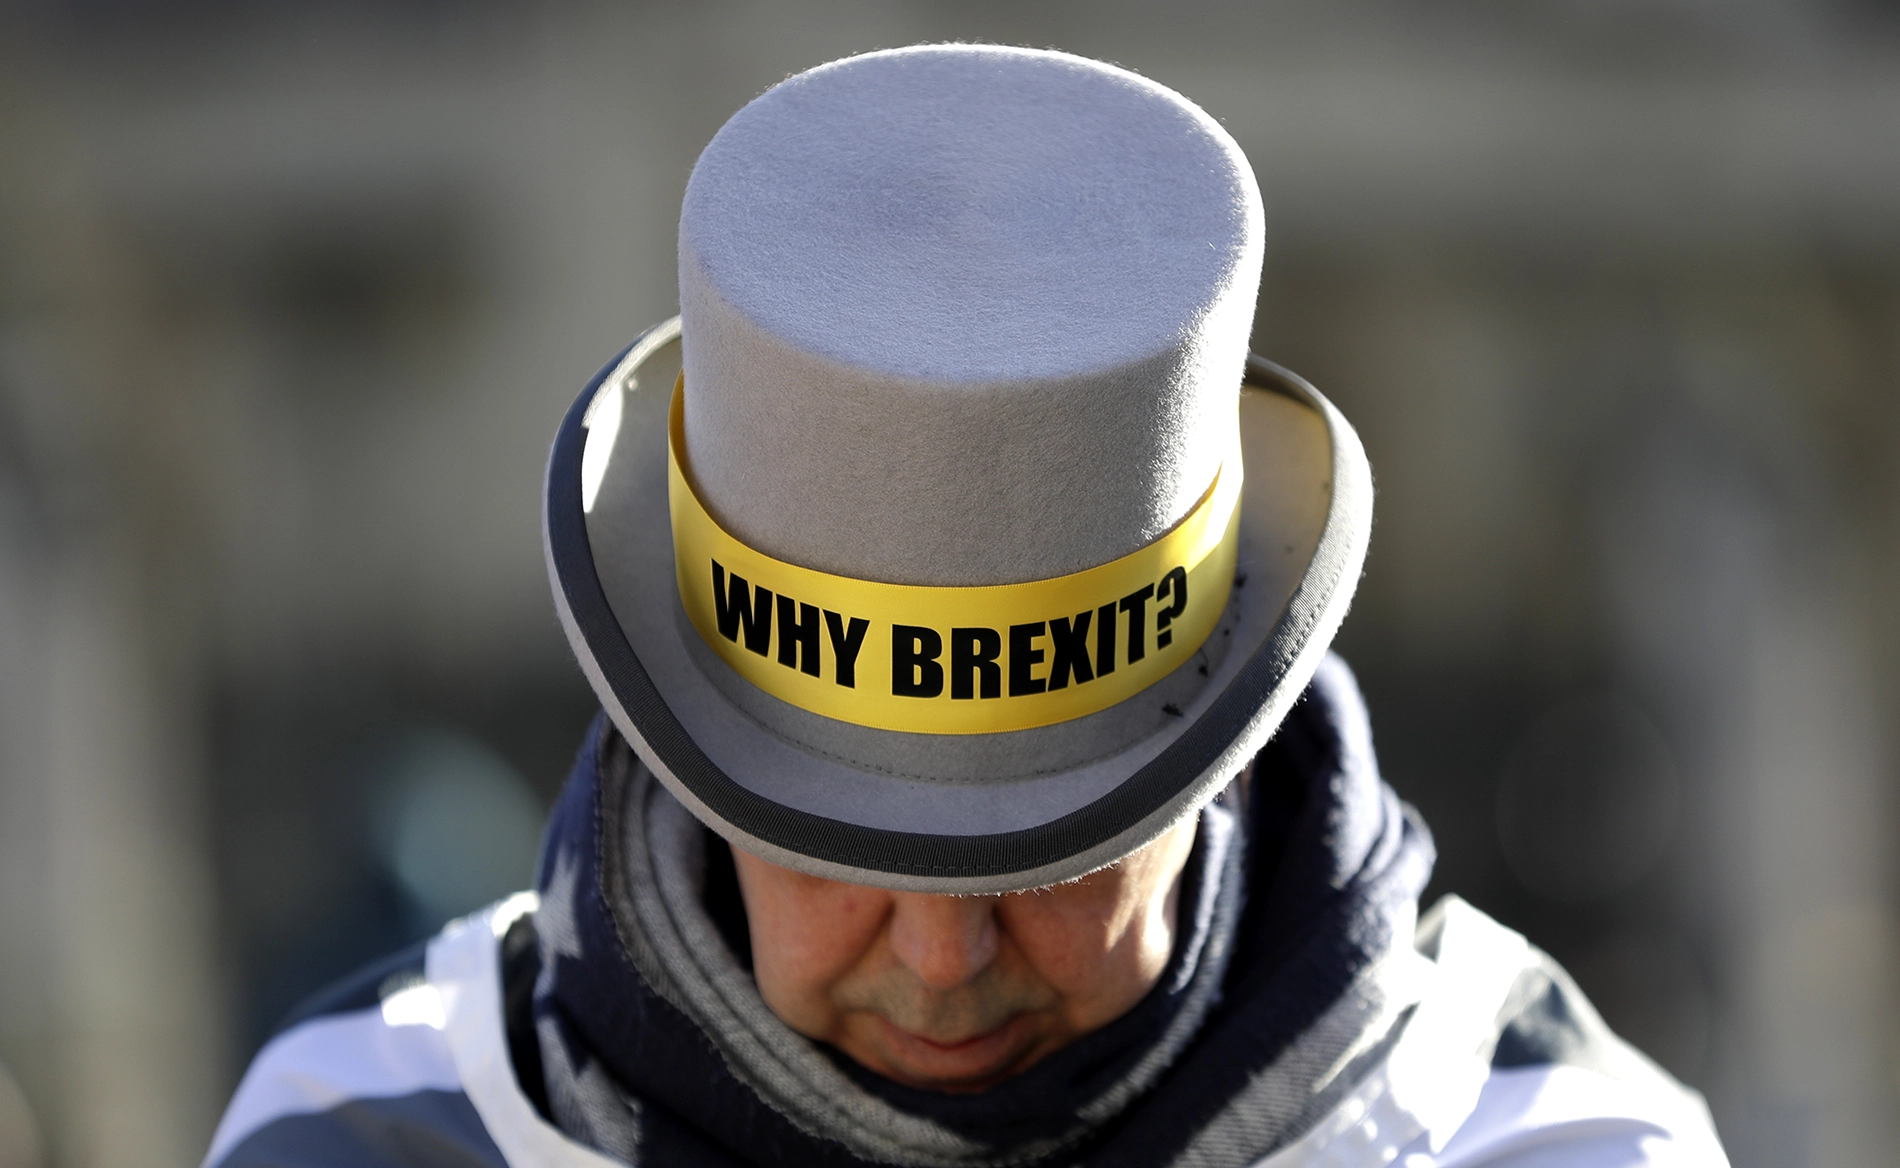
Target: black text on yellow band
[[955, 660]]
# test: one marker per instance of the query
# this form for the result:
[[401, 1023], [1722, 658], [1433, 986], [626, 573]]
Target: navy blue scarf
[[1335, 865]]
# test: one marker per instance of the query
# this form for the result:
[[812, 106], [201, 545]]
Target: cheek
[[1076, 943], [1101, 945], [805, 939]]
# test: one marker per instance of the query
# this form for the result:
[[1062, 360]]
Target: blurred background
[[293, 296]]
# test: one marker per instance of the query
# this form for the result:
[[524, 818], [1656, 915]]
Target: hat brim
[[1306, 516]]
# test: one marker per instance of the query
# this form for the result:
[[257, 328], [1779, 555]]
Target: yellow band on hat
[[954, 660]]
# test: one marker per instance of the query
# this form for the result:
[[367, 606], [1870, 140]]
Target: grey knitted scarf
[[657, 1050], [678, 950]]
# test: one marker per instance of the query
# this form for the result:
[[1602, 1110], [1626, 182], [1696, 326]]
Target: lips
[[965, 1044], [971, 1063]]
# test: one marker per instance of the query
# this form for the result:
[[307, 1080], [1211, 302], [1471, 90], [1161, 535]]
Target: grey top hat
[[961, 326]]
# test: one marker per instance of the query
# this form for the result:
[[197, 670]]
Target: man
[[974, 786]]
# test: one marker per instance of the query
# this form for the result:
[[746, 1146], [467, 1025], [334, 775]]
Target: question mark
[[1174, 586]]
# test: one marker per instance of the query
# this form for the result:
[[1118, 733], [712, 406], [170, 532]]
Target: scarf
[[657, 1048]]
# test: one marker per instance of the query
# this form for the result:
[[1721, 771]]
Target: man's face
[[958, 992]]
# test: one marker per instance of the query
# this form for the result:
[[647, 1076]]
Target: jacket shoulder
[[1500, 1061], [359, 1073], [362, 988], [408, 1064], [366, 1078], [1561, 1087]]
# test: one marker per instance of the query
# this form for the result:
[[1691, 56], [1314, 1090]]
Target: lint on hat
[[950, 540]]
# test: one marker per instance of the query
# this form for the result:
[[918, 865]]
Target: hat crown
[[964, 314]]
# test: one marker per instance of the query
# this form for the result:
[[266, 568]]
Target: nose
[[944, 940]]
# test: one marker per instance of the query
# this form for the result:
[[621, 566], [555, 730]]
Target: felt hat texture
[[956, 316]]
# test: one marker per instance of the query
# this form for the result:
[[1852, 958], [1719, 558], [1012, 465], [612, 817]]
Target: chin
[[949, 1085]]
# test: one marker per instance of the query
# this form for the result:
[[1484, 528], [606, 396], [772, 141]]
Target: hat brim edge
[[1236, 724]]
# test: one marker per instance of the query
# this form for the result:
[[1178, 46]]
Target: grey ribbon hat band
[[1248, 696]]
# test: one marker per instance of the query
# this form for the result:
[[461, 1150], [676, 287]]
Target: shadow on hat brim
[[1306, 516]]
